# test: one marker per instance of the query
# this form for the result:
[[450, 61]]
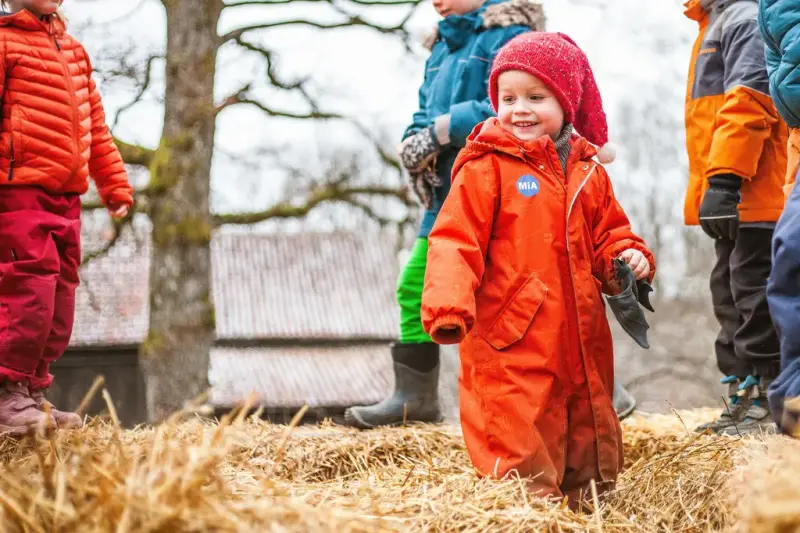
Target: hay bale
[[764, 488], [248, 475]]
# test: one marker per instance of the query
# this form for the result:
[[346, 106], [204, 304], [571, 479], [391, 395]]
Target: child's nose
[[522, 107]]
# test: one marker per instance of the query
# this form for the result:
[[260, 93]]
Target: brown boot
[[64, 419], [18, 411]]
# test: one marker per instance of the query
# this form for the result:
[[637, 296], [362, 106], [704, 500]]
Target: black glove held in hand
[[719, 210], [418, 151], [625, 305]]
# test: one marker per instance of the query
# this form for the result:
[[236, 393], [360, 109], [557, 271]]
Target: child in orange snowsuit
[[519, 257]]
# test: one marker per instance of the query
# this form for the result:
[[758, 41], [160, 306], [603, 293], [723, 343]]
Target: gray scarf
[[562, 145]]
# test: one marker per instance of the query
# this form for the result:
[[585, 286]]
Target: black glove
[[719, 213], [625, 305], [419, 150], [641, 287]]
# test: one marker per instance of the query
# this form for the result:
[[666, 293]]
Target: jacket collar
[[488, 136], [26, 20], [456, 30], [700, 9]]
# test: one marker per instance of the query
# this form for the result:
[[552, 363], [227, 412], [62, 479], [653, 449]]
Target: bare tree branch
[[330, 193], [118, 225], [133, 154], [241, 98], [143, 86], [271, 75], [372, 214], [352, 21]]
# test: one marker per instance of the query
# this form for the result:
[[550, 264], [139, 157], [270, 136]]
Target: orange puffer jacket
[[54, 133]]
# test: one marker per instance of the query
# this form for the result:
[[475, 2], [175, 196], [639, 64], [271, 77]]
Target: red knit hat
[[555, 59]]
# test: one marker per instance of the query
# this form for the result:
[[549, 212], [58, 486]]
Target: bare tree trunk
[[176, 352]]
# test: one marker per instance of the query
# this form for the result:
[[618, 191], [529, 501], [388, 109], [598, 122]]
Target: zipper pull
[[11, 163], [58, 46]]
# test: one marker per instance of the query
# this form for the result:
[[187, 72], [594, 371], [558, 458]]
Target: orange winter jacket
[[794, 161], [732, 125], [518, 260], [54, 133]]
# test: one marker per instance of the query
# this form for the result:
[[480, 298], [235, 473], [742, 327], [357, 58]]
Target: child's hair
[[59, 14]]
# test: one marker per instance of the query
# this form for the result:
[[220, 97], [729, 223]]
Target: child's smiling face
[[456, 7], [527, 108], [37, 7]]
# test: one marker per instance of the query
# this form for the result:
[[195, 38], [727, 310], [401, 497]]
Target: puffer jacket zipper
[[73, 102], [11, 159]]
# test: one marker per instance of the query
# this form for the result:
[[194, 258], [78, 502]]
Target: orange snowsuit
[[732, 125], [518, 259]]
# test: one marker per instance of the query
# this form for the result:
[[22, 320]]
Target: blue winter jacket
[[779, 21], [456, 76]]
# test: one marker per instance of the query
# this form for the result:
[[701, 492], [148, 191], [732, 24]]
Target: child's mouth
[[526, 124]]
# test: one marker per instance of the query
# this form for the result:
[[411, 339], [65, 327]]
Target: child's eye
[[537, 97], [508, 99]]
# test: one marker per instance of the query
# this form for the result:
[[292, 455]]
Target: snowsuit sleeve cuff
[[448, 329]]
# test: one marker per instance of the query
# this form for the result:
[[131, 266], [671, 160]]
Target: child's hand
[[638, 263], [119, 211]]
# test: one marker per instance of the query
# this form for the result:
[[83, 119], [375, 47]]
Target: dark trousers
[[747, 343]]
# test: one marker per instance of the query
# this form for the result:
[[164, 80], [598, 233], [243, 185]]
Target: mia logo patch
[[528, 185]]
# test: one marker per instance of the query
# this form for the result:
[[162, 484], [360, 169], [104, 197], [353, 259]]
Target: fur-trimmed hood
[[503, 14]]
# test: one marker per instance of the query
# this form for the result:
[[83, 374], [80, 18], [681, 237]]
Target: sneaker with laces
[[64, 419], [19, 412], [734, 412], [757, 418]]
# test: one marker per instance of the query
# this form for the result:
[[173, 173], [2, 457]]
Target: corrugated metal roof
[[312, 286], [305, 286], [112, 302], [284, 377]]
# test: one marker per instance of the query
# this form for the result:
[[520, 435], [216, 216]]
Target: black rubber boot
[[624, 402], [416, 391]]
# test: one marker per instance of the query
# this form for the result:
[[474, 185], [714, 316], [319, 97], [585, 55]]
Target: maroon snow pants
[[39, 259]]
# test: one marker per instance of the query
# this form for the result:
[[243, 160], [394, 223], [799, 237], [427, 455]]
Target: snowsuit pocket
[[516, 316]]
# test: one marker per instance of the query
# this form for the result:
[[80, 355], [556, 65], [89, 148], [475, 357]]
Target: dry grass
[[765, 488], [247, 475]]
